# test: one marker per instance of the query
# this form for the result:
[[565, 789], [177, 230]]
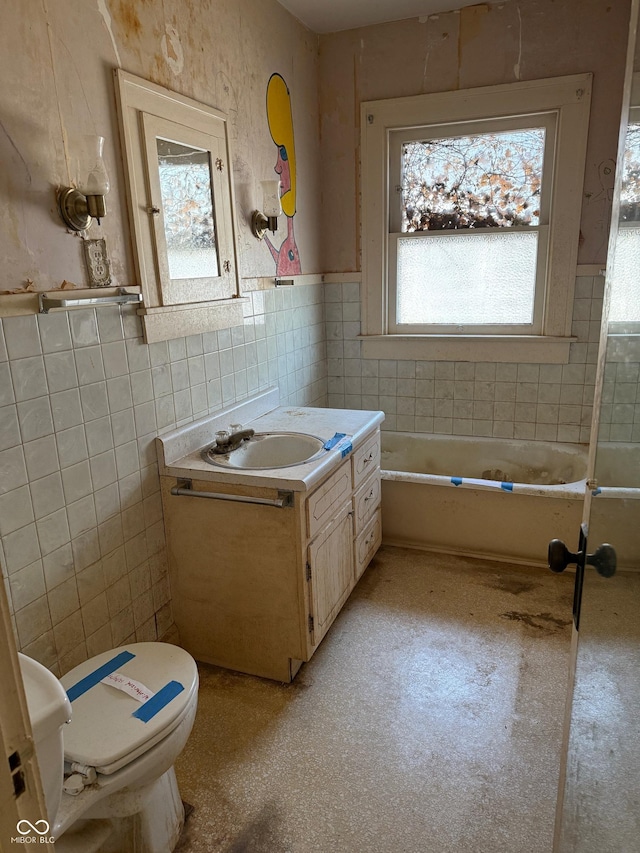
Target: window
[[471, 208], [181, 210]]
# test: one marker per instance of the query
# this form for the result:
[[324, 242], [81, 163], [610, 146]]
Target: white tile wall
[[81, 400], [620, 410], [535, 401]]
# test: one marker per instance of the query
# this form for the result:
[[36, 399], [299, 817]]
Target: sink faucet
[[226, 443]]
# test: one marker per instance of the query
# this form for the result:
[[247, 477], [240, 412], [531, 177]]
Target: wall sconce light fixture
[[267, 219], [79, 205]]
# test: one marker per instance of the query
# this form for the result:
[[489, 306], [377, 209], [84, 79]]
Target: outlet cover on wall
[[97, 262]]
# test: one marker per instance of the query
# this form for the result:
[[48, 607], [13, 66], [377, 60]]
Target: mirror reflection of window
[[188, 210], [625, 305]]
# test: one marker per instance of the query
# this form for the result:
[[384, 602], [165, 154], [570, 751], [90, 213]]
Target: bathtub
[[496, 498]]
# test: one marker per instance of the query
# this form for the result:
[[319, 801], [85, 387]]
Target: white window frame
[[569, 99]]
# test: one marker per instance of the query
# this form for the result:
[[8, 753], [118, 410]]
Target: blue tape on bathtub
[[508, 487], [329, 445], [597, 491], [457, 481], [162, 698], [97, 675]]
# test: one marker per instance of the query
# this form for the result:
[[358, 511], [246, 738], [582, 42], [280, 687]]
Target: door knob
[[559, 556], [603, 558]]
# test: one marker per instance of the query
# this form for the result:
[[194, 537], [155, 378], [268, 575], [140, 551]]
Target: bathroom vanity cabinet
[[255, 587]]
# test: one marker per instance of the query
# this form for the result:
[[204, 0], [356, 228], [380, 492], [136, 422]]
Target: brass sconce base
[[73, 209], [260, 224], [78, 210]]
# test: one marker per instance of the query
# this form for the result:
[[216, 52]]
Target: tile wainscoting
[[82, 398], [546, 402]]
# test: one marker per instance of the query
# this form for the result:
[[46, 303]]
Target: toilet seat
[[103, 732]]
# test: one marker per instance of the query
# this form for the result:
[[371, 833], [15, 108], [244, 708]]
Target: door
[[22, 806], [599, 796]]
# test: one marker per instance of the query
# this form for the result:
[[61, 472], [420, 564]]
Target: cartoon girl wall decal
[[280, 121]]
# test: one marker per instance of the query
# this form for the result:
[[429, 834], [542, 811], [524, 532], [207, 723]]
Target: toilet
[[106, 750]]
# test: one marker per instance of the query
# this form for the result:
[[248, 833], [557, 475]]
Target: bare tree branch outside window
[[630, 195], [489, 180]]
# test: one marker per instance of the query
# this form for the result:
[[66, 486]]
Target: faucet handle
[[233, 428], [222, 436]]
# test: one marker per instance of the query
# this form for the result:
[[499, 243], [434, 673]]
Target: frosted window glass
[[484, 279], [187, 206], [625, 291]]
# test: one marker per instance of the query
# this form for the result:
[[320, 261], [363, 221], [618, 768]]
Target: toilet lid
[[109, 728]]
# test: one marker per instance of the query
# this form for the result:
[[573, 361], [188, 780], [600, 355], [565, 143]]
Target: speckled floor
[[602, 803], [429, 720]]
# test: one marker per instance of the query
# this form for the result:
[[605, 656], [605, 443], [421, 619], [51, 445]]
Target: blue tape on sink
[[341, 442], [329, 445]]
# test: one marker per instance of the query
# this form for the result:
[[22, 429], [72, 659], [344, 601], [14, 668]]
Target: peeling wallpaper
[[476, 46], [59, 57]]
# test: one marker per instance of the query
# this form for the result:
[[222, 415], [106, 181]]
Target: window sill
[[519, 349]]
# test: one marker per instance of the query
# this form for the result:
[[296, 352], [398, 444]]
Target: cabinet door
[[330, 558]]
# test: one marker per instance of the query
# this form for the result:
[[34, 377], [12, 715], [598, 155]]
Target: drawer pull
[[368, 459]]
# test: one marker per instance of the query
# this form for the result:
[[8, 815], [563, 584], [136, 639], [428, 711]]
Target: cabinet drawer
[[366, 459], [368, 543], [326, 500], [366, 500]]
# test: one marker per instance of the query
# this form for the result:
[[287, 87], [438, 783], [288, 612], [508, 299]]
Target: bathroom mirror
[[181, 209]]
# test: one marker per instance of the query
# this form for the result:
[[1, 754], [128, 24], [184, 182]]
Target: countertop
[[180, 451]]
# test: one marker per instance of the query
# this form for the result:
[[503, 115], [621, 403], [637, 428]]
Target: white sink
[[270, 450]]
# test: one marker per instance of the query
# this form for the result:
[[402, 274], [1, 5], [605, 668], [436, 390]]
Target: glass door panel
[[602, 789], [599, 802]]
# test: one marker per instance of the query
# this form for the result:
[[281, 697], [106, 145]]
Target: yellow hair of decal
[[281, 129]]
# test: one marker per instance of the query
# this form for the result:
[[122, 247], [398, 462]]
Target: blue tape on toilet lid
[[153, 706], [96, 676], [104, 733]]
